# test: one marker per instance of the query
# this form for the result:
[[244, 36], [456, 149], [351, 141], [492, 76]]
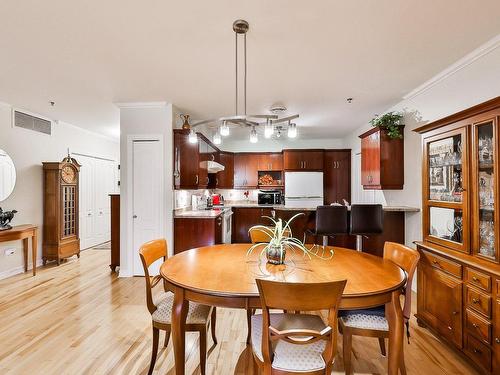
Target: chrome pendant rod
[[236, 76], [245, 74]]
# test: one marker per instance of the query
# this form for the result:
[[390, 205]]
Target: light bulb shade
[[192, 138], [224, 129], [217, 139], [268, 131], [253, 136], [292, 131]]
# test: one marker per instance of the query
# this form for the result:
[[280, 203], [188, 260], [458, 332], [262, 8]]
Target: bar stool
[[330, 220], [366, 219]]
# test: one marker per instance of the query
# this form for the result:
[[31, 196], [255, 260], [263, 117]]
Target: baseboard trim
[[18, 270]]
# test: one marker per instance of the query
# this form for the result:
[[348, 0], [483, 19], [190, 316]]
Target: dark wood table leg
[[179, 314], [25, 249], [394, 316], [34, 244]]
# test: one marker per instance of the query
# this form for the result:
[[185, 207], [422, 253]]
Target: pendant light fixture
[[273, 125], [292, 130], [217, 139], [192, 138]]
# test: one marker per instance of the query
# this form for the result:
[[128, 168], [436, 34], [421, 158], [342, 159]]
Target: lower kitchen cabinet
[[246, 217], [196, 232]]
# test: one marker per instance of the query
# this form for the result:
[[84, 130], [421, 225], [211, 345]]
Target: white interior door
[[87, 202], [146, 196]]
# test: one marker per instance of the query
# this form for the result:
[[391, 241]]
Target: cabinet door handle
[[455, 312], [476, 351], [208, 180], [196, 180], [497, 340], [216, 182], [475, 325], [475, 300]]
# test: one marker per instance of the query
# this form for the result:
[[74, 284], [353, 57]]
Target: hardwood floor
[[79, 318]]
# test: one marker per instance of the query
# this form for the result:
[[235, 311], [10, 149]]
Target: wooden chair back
[[262, 234], [300, 297], [406, 258], [149, 253]]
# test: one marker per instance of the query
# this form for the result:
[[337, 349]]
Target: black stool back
[[329, 221], [366, 219]]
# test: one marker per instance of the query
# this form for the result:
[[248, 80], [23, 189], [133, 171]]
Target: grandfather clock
[[60, 210]]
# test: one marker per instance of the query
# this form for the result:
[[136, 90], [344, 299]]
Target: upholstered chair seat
[[287, 356], [365, 320], [197, 314]]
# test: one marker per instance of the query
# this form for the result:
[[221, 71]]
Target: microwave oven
[[269, 197]]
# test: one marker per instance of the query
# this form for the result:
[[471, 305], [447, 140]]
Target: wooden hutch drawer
[[498, 288], [478, 279], [442, 264], [478, 352], [478, 327], [478, 301]]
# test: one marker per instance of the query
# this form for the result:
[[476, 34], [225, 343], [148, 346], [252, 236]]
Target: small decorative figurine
[[5, 218]]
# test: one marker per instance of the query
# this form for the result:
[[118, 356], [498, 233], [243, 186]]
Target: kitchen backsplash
[[183, 198]]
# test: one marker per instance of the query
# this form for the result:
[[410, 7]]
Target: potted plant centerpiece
[[391, 123], [280, 240]]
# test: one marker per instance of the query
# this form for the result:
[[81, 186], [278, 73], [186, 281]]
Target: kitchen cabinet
[[496, 333], [337, 176], [382, 161], [303, 160], [270, 161], [225, 178], [244, 218], [204, 157], [186, 161], [246, 170], [190, 233]]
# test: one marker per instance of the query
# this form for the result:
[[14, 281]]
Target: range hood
[[214, 167]]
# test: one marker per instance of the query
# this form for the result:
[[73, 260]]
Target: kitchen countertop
[[216, 212]]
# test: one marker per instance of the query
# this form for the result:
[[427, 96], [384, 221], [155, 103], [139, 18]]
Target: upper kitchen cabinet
[[225, 178], [246, 167], [303, 160], [204, 157], [186, 161], [270, 161], [382, 161], [337, 176]]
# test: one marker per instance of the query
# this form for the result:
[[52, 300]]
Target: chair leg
[[167, 338], [347, 349], [213, 320], [381, 342], [203, 351], [255, 366], [249, 325], [402, 367], [156, 337]]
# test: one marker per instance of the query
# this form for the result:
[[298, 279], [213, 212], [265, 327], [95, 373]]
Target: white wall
[[270, 145], [28, 150], [472, 80], [144, 119]]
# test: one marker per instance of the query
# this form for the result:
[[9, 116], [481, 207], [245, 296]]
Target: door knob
[[134, 217]]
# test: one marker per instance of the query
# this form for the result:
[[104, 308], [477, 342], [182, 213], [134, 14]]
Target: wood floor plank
[[79, 318]]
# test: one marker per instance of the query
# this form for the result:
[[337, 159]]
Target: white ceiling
[[87, 54]]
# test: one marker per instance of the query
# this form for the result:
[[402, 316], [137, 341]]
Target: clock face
[[68, 174]]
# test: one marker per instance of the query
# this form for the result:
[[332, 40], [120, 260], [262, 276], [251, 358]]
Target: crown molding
[[465, 61], [141, 105]]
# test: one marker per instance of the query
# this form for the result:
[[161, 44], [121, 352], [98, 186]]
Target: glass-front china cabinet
[[458, 277]]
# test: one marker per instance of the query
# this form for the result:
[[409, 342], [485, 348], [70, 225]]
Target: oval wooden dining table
[[223, 276]]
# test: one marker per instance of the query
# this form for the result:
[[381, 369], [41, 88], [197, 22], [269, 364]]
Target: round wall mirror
[[7, 175]]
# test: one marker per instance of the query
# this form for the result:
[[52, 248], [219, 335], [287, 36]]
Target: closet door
[[87, 202]]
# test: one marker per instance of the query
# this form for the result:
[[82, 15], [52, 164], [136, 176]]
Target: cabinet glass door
[[445, 206], [485, 190]]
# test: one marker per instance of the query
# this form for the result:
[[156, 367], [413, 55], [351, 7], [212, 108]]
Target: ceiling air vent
[[26, 121]]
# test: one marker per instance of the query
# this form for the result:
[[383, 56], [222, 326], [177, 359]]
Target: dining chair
[[199, 317], [372, 322], [257, 235], [284, 343]]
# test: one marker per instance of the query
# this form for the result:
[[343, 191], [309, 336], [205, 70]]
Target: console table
[[23, 232]]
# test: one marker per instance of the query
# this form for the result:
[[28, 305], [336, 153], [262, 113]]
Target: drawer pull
[[436, 263], [475, 279], [449, 327], [497, 340], [455, 312], [475, 325], [475, 300], [477, 351]]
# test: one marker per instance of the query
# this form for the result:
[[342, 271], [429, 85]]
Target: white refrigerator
[[303, 189]]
